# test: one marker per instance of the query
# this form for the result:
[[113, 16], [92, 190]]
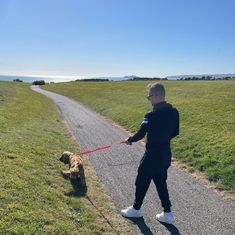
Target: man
[[160, 125]]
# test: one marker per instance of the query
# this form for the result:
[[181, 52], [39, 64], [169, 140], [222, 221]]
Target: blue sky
[[94, 38]]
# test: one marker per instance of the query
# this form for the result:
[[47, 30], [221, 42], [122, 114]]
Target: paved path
[[198, 210]]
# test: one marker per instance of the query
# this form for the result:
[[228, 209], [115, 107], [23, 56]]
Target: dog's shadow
[[77, 189]]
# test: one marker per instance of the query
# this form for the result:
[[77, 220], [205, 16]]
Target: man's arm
[[141, 132], [177, 119]]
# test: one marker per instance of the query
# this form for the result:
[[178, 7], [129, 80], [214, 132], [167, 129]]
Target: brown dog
[[76, 169]]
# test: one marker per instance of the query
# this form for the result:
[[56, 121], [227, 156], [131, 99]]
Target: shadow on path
[[147, 231], [142, 225], [171, 228]]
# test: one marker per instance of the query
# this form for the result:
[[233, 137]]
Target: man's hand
[[126, 142]]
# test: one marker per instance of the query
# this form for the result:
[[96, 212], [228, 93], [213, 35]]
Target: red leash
[[98, 149], [94, 150]]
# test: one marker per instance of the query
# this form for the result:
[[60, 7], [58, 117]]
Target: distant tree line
[[17, 80], [145, 78], [39, 83], [206, 78], [93, 80]]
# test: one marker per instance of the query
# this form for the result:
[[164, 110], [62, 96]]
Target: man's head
[[156, 93]]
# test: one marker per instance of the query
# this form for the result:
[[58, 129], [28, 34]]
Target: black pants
[[146, 173]]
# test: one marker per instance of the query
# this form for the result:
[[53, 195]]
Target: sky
[[98, 38]]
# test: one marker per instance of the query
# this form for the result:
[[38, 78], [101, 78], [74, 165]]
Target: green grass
[[207, 111], [34, 197]]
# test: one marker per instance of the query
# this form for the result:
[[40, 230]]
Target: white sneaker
[[166, 217], [130, 212]]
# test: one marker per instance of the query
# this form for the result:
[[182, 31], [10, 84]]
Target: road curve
[[198, 210]]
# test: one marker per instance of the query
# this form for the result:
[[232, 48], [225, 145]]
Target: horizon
[[77, 39], [58, 79]]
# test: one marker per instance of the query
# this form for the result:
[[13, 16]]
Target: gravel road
[[198, 210]]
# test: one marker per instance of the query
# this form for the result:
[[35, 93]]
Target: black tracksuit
[[161, 125]]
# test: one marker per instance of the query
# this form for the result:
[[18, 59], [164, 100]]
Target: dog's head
[[65, 157]]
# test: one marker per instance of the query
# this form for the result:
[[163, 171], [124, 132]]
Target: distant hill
[[106, 78], [216, 76], [176, 77]]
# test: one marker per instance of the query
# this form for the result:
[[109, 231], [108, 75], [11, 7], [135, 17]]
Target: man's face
[[153, 98]]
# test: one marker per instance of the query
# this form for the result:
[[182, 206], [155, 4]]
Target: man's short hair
[[157, 89]]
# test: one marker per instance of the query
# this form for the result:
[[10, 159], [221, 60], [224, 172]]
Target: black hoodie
[[161, 125]]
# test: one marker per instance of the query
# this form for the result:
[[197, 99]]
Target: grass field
[[34, 197], [207, 111]]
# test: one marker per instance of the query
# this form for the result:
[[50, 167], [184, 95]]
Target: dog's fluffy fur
[[76, 169]]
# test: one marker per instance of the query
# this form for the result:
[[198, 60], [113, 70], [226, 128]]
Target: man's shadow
[[141, 225], [147, 231], [171, 228], [78, 190]]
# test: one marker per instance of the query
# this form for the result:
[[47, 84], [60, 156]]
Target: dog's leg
[[66, 173], [83, 179]]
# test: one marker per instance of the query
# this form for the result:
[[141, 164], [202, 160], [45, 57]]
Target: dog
[[76, 169]]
